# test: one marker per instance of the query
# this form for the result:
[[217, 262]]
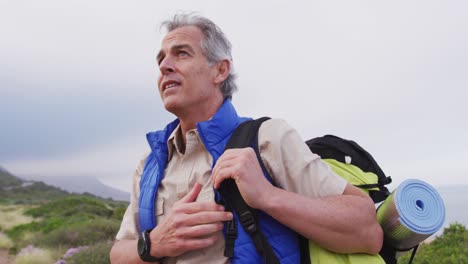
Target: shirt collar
[[175, 141]]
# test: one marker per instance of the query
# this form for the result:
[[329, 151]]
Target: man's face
[[186, 82]]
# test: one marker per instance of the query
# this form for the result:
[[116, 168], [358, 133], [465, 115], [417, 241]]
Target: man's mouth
[[169, 85]]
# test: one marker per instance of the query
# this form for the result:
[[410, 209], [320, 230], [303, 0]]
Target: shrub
[[451, 247], [96, 254], [119, 212], [17, 232], [72, 206], [79, 234]]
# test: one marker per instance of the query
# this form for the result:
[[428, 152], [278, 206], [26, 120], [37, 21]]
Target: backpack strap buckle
[[231, 230], [231, 235], [248, 222]]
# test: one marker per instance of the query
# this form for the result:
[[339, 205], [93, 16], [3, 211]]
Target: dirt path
[[4, 257]]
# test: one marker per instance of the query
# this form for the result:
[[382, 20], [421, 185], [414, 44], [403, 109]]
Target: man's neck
[[189, 121]]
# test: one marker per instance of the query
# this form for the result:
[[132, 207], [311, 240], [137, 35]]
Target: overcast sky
[[78, 80]]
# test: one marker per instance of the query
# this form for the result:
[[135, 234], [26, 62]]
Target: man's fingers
[[198, 243], [228, 155], [193, 194], [230, 163], [208, 217], [222, 170], [225, 172], [198, 217], [200, 230], [195, 207]]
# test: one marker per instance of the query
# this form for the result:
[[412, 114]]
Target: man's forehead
[[185, 34], [189, 37]]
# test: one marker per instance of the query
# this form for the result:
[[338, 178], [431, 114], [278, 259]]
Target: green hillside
[[8, 180], [44, 223]]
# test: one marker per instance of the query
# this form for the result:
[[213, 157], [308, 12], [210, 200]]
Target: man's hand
[[189, 226], [242, 166]]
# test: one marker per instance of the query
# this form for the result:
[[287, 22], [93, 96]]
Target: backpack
[[346, 158]]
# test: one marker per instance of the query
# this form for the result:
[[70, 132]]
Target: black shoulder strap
[[244, 136], [245, 133]]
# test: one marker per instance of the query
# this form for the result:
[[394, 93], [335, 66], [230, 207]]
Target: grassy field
[[12, 215]]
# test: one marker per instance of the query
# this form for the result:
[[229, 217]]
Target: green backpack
[[347, 159]]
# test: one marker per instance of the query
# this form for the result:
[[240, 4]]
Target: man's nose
[[166, 65]]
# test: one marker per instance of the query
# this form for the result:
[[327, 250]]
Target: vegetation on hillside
[[450, 248], [31, 193], [73, 221], [43, 222], [8, 180]]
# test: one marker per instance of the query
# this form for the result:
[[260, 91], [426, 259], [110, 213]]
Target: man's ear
[[222, 71]]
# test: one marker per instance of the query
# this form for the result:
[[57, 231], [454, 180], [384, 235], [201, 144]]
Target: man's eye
[[183, 53]]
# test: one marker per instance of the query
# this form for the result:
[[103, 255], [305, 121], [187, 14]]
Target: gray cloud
[[43, 118]]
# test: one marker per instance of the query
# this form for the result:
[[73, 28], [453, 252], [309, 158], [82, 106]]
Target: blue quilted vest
[[214, 134]]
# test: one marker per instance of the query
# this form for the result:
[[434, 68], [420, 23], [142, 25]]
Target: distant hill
[[83, 184], [56, 187], [7, 179], [18, 191]]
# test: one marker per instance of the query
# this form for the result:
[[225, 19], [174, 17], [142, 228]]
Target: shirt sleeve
[[292, 165], [129, 226]]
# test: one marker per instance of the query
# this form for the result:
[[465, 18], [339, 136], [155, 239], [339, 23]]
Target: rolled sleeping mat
[[413, 212]]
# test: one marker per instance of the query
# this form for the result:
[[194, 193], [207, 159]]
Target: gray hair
[[215, 45]]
